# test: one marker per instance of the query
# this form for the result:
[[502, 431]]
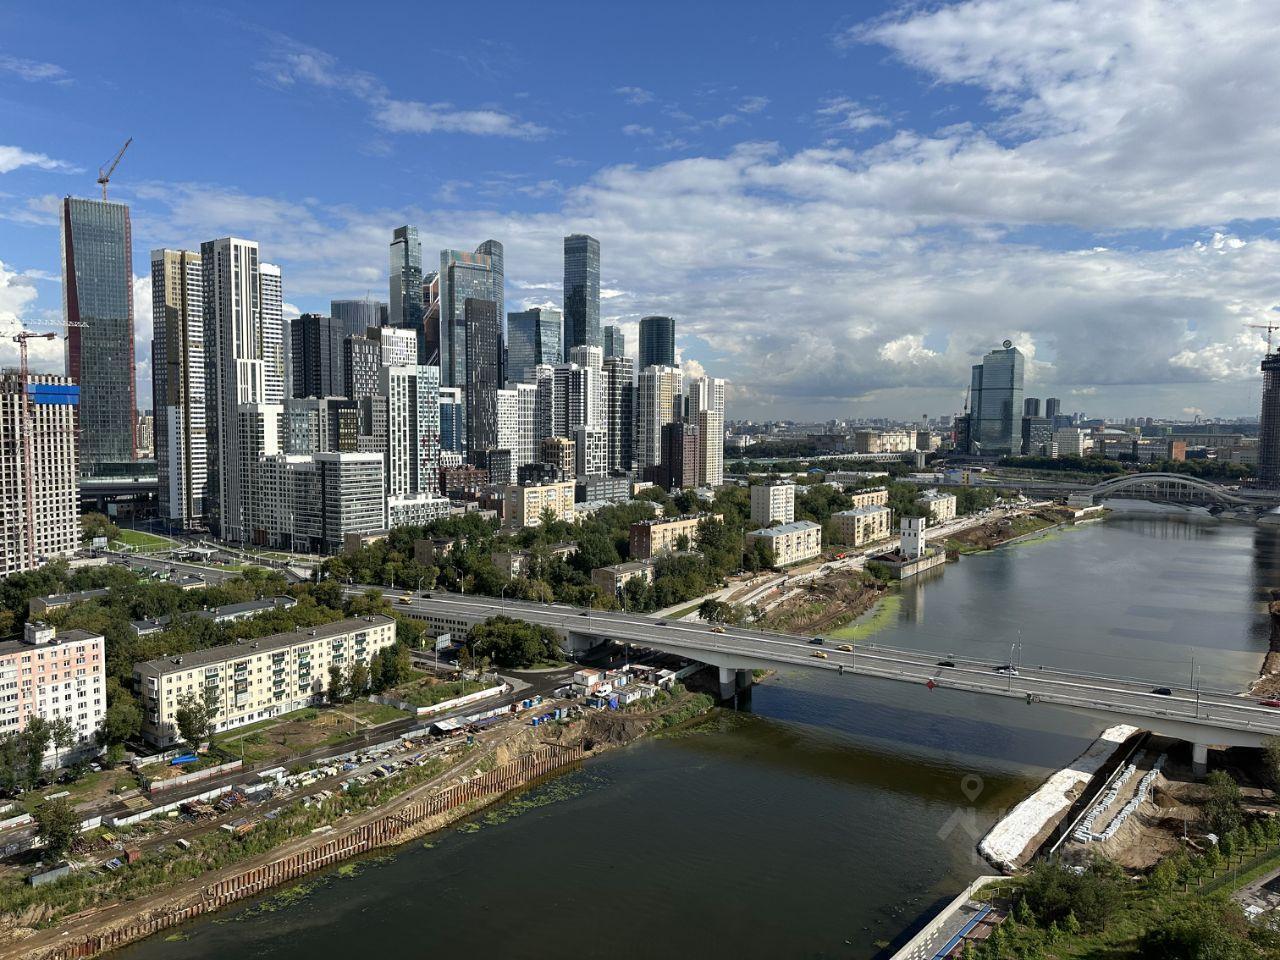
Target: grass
[[92, 786], [872, 622], [143, 542], [420, 694], [282, 738], [685, 611]]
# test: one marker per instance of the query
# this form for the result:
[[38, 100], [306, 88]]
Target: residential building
[[658, 403], [649, 538], [790, 543], [591, 452], [524, 503], [862, 525], [483, 375], [1037, 435], [1071, 442], [361, 362], [40, 519], [452, 436], [995, 399], [884, 441], [37, 607], [398, 346], [228, 613], [576, 398], [581, 291], [657, 342], [414, 510], [145, 433], [614, 342], [705, 410], [465, 276], [320, 425], [613, 579], [533, 338], [259, 679], [412, 461], [773, 502], [310, 503], [97, 305], [358, 317], [316, 355], [619, 410], [54, 675], [681, 443], [869, 497], [560, 453], [178, 395], [405, 306], [941, 506], [274, 332]]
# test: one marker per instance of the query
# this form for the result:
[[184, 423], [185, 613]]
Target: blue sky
[[844, 205]]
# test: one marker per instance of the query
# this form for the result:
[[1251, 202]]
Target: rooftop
[[219, 613], [797, 526], [863, 511], [655, 521], [61, 599], [245, 648], [65, 636]]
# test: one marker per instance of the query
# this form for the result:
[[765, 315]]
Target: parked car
[[1163, 691]]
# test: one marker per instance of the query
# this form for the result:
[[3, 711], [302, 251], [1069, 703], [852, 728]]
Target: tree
[[123, 717], [513, 643], [337, 684], [98, 525], [58, 824], [195, 715], [34, 741], [393, 667], [358, 680], [1222, 809], [64, 736], [1164, 875], [1199, 931]]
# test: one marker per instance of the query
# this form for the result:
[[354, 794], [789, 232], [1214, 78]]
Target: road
[[1200, 715]]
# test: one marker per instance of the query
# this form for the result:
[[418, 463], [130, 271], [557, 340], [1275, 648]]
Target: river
[[825, 819]]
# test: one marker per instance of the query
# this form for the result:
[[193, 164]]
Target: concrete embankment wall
[[401, 824]]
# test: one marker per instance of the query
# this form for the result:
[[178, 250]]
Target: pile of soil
[[824, 604]]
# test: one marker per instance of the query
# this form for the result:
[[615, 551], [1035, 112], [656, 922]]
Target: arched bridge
[[1166, 488]]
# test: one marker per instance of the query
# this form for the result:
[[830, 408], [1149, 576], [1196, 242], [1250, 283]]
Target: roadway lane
[[728, 646]]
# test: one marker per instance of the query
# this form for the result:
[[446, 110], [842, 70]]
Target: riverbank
[[516, 758], [988, 536]]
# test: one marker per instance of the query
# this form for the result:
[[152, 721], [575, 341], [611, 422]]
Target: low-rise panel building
[[791, 542], [869, 497], [660, 535], [56, 676], [523, 503], [612, 579], [862, 525], [941, 506]]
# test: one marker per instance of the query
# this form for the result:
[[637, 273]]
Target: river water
[[825, 819]]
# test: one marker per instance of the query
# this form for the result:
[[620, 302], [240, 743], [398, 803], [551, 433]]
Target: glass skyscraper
[[405, 307], [657, 342], [484, 365], [995, 403], [465, 275], [533, 337], [357, 316], [97, 301], [581, 291], [615, 344]]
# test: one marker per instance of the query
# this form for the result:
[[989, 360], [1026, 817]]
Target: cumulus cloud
[[34, 71], [635, 95], [842, 113], [11, 158]]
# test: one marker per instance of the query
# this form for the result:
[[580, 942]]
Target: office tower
[[413, 425], [273, 332], [405, 308], [429, 343], [40, 520], [311, 503], [558, 453], [1031, 407], [615, 344], [452, 431], [97, 304], [316, 355], [483, 375], [358, 317], [533, 338], [1052, 407], [581, 291], [1037, 436], [465, 276], [361, 361], [658, 402], [178, 386], [657, 342], [705, 409], [619, 411], [398, 347], [235, 377], [995, 396], [1269, 423], [681, 443]]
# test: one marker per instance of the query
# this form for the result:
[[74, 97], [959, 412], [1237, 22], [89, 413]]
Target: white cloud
[[842, 113], [19, 310], [635, 95], [11, 158], [33, 71], [636, 130], [753, 104]]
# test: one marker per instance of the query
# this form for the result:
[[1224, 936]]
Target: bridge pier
[[1199, 759], [734, 681]]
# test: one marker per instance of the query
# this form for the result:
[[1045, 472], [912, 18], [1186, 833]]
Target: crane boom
[[1269, 327], [104, 173]]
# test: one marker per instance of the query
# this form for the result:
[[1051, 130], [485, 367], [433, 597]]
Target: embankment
[[1268, 682]]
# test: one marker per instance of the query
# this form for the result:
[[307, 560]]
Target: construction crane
[[1269, 327], [104, 173], [28, 429]]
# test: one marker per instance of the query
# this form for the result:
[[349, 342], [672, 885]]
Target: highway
[[1199, 715]]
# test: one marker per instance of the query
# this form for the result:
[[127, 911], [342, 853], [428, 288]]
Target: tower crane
[[28, 429], [104, 173]]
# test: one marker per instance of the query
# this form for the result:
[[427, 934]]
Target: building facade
[[533, 338], [862, 525], [790, 543], [614, 342], [358, 317], [941, 506], [405, 307], [581, 291], [773, 502], [55, 676], [316, 356], [483, 375], [620, 411], [465, 275], [995, 403], [870, 497], [657, 342], [649, 538], [524, 503], [658, 403]]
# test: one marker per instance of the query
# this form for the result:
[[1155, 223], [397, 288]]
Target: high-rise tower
[[996, 403], [657, 342], [1269, 423], [581, 291]]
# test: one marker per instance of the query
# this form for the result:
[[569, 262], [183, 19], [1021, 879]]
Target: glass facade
[[97, 290], [406, 280], [657, 342], [484, 353], [462, 276], [357, 316], [581, 291], [615, 344], [995, 403], [317, 356], [533, 337]]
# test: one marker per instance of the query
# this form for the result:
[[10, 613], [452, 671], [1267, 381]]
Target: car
[[584, 613], [717, 629], [820, 654], [1269, 703], [846, 648], [662, 623], [1163, 691], [406, 600], [1008, 670], [817, 640], [946, 663]]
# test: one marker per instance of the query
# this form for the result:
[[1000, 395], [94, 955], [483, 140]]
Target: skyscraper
[[620, 398], [464, 275], [97, 303], [657, 342], [242, 426], [429, 342], [405, 305], [658, 402], [413, 423], [581, 291], [706, 412], [178, 386], [995, 397], [357, 316], [1052, 407], [1269, 423], [316, 354], [615, 344], [1031, 407], [484, 357], [452, 432], [533, 337], [273, 332], [361, 361]]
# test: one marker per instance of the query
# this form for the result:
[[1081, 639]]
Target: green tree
[[57, 824], [1164, 875], [98, 525], [512, 644], [1199, 931], [1222, 808], [34, 740], [195, 716], [358, 680], [62, 733], [123, 717], [337, 684]]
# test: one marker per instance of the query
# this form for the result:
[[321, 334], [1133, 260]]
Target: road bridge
[[1198, 715]]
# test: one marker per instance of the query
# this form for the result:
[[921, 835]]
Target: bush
[[1055, 893]]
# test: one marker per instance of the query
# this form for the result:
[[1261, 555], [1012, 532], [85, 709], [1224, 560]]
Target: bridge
[[1174, 488], [1197, 715]]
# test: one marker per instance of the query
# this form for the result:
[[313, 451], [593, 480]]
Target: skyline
[[922, 189]]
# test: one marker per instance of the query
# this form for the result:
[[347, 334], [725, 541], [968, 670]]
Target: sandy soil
[[824, 604]]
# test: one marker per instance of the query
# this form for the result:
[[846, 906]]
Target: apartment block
[[869, 497], [862, 525], [523, 503], [649, 538], [773, 502], [53, 675], [941, 506], [791, 542], [256, 679]]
